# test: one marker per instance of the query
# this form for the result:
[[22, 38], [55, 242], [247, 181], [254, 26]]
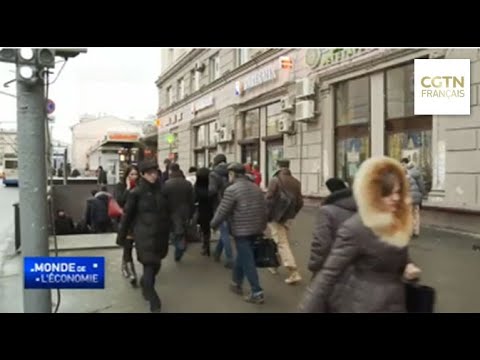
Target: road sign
[[50, 106]]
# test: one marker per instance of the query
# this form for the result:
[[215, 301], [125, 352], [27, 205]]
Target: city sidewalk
[[198, 284]]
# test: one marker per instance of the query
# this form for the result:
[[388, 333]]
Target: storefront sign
[[327, 57], [260, 77], [204, 103], [123, 137]]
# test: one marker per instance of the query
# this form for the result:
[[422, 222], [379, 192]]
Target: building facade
[[90, 132], [326, 110]]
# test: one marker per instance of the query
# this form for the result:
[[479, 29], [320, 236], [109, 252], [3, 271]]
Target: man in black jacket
[[179, 193], [217, 183]]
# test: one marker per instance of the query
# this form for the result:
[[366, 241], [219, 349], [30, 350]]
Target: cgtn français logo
[[442, 87]]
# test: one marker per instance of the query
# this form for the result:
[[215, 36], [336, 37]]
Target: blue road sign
[[50, 106]]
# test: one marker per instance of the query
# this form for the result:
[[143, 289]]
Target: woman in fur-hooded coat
[[374, 242]]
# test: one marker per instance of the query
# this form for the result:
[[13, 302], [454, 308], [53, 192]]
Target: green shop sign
[[327, 57]]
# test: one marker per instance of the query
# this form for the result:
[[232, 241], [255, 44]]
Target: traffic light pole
[[33, 184]]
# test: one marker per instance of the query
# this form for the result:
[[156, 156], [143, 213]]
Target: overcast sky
[[116, 81]]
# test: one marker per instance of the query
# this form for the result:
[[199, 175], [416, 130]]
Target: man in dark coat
[[179, 193], [147, 214], [217, 183]]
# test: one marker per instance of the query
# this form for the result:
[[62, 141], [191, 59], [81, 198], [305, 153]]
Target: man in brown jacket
[[284, 201]]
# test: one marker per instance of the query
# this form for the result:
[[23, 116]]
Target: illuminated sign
[[123, 137], [259, 78], [286, 62]]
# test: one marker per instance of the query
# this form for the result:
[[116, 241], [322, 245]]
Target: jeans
[[180, 245], [245, 264], [224, 242]]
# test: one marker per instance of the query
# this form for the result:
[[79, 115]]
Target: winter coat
[[97, 209], [336, 208], [417, 185], [147, 213], [204, 201], [120, 194], [374, 243], [243, 206], [179, 193], [282, 208], [217, 183]]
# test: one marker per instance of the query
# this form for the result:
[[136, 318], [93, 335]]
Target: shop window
[[251, 125], [200, 159], [211, 134], [352, 100], [274, 153], [352, 127], [200, 136], [211, 155], [251, 153], [406, 135], [399, 92], [273, 115]]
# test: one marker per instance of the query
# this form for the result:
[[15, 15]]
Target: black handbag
[[265, 252], [419, 298]]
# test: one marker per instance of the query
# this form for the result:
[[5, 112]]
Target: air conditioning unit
[[304, 110], [287, 103], [225, 135], [199, 66], [285, 125], [304, 88]]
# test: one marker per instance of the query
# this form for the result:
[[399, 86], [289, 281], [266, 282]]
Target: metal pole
[[33, 184], [65, 175]]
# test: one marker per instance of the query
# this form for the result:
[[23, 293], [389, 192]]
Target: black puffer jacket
[[179, 193], [217, 183], [147, 213]]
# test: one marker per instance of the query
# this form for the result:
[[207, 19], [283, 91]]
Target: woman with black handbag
[[374, 242]]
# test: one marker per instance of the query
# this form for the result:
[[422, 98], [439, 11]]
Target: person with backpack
[[217, 183], [284, 202]]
